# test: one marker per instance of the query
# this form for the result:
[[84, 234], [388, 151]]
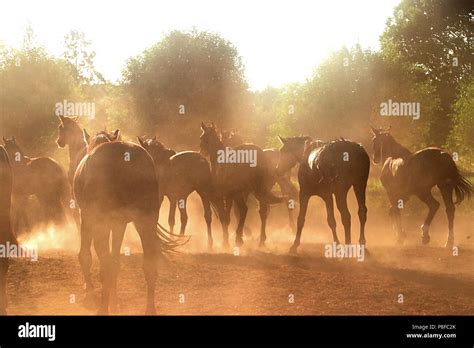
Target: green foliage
[[185, 78], [461, 138], [434, 39]]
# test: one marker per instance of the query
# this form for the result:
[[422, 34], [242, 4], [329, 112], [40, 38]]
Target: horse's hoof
[[239, 241], [261, 244], [293, 250], [91, 300], [449, 244], [425, 239]]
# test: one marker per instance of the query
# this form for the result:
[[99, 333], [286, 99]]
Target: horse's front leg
[[304, 199]]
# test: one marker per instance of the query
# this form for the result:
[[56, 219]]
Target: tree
[[185, 78], [79, 54], [434, 38]]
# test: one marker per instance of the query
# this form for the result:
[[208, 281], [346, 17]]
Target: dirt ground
[[406, 280]]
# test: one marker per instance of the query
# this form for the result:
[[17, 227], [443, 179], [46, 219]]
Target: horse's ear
[[86, 136], [213, 126], [4, 140], [308, 138], [140, 141], [374, 131], [154, 138], [203, 126], [61, 118], [116, 135], [282, 140]]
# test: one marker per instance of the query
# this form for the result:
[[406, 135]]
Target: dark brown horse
[[42, 177], [405, 174], [179, 175], [326, 170], [233, 139], [237, 172], [116, 184], [6, 231]]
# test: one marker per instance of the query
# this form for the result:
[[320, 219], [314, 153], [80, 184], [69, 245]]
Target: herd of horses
[[111, 183]]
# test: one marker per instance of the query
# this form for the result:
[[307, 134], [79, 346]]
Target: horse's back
[[341, 160], [117, 177], [190, 170]]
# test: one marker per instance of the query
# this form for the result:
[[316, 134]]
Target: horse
[[237, 172], [6, 231], [114, 184], [405, 174], [179, 175], [233, 139], [40, 176], [328, 169]]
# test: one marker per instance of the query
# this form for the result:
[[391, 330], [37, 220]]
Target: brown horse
[[233, 139], [405, 174], [42, 177], [237, 172], [116, 184], [326, 170], [179, 175], [6, 231]]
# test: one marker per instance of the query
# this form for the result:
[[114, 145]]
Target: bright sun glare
[[281, 41]]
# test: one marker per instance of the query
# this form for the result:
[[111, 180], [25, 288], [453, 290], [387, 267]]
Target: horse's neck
[[77, 150], [213, 157], [398, 150]]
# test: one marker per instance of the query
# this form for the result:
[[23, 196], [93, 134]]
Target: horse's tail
[[169, 242], [462, 186]]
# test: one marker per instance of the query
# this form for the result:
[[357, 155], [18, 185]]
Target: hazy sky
[[280, 40]]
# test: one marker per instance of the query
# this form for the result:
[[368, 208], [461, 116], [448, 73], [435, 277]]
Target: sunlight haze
[[280, 41]]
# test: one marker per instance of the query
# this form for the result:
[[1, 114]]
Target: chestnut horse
[[179, 175], [326, 170], [114, 184], [405, 174], [42, 177]]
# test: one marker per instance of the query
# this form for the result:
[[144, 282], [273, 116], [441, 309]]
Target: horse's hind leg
[[85, 255], [304, 200], [331, 220], [3, 285], [101, 245], [183, 215], [146, 229], [447, 193], [433, 206], [341, 202], [206, 203], [359, 190], [118, 232], [242, 205], [172, 214], [263, 211]]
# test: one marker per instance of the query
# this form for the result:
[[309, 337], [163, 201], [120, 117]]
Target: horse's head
[[209, 140], [14, 151], [157, 150], [381, 144], [291, 152], [69, 131], [230, 138], [100, 138]]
